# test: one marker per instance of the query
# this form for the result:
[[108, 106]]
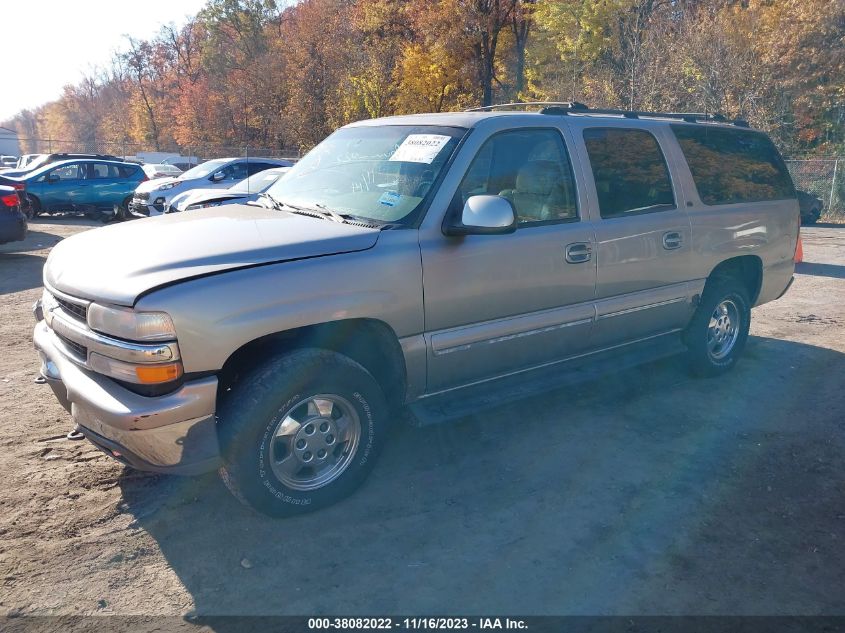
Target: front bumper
[[175, 433], [144, 208]]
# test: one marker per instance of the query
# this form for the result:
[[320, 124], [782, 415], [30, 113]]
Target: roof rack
[[576, 108], [569, 105]]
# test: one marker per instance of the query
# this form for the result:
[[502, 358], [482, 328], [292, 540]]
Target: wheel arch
[[746, 268], [371, 343]]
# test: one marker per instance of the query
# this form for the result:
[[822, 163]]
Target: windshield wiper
[[274, 204], [322, 211]]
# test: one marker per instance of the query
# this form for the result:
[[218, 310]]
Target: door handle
[[579, 252], [672, 240]]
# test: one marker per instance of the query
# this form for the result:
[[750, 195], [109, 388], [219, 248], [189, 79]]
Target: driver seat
[[537, 191]]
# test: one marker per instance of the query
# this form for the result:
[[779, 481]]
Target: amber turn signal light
[[155, 374]]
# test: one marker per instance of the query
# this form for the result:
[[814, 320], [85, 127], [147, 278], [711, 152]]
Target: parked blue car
[[93, 187]]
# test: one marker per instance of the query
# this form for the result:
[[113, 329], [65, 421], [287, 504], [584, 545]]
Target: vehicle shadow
[[645, 492], [821, 270], [35, 241], [20, 271]]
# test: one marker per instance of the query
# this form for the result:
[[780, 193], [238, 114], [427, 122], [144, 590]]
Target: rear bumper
[[12, 227], [175, 433]]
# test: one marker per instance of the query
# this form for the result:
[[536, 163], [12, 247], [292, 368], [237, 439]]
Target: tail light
[[18, 186], [11, 200]]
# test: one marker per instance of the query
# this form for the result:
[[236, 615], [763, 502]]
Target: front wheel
[[301, 432], [718, 331]]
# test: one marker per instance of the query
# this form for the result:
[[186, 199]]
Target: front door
[[643, 237], [63, 187], [501, 303]]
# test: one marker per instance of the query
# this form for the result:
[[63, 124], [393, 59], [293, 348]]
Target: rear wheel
[[812, 217], [718, 331], [301, 432], [33, 206]]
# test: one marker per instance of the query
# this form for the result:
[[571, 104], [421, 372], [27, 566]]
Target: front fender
[[219, 313]]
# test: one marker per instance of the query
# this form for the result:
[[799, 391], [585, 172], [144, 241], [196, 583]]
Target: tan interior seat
[[540, 193]]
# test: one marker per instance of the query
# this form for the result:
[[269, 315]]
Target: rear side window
[[733, 166], [128, 171], [630, 172]]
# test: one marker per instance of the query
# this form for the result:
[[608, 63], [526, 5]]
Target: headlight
[[131, 325], [166, 186]]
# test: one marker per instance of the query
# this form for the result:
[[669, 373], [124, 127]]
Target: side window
[[254, 168], [630, 172], [126, 171], [530, 168], [237, 171], [102, 170], [74, 171], [733, 166]]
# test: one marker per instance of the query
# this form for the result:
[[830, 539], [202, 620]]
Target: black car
[[811, 207], [12, 219]]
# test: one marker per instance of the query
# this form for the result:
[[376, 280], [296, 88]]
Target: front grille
[[73, 309], [80, 351], [142, 195]]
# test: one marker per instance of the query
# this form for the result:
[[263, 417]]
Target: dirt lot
[[648, 492]]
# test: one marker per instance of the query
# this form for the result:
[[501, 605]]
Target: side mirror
[[484, 215], [53, 178], [217, 176]]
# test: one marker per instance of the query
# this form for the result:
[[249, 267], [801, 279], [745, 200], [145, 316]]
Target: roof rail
[[574, 107], [570, 105]]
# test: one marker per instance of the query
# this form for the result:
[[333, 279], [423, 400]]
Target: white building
[[9, 145]]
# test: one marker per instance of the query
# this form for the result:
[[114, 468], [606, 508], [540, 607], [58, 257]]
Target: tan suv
[[445, 262]]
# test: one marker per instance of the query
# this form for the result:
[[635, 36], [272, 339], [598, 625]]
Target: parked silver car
[[444, 262], [154, 196]]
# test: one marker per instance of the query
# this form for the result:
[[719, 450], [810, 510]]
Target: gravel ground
[[647, 492]]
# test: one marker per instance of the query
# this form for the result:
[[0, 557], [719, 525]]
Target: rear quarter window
[[129, 171], [733, 166]]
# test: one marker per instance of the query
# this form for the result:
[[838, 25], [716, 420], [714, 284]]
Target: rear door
[[643, 235], [107, 187]]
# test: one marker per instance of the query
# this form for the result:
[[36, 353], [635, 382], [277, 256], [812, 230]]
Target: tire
[[715, 340], [282, 468], [34, 206], [124, 214], [811, 218]]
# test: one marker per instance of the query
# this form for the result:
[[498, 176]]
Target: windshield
[[379, 173], [258, 182], [38, 161], [201, 171]]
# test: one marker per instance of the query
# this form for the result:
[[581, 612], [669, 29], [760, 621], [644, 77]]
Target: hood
[[155, 183], [202, 195], [116, 264]]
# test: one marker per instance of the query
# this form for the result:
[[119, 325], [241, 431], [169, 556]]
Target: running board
[[465, 401]]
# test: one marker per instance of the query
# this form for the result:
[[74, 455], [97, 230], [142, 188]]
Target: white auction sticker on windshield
[[420, 148]]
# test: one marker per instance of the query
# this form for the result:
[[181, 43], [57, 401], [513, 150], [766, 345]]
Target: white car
[[246, 190], [154, 196], [161, 170]]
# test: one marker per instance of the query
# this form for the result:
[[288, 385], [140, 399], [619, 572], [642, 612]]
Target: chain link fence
[[823, 178], [147, 153]]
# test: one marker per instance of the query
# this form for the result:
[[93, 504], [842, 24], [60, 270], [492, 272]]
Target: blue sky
[[50, 43]]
